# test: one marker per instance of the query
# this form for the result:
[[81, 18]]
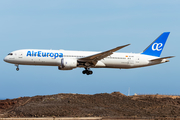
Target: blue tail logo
[[157, 46]]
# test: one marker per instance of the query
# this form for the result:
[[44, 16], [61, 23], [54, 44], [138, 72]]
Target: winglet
[[120, 47]]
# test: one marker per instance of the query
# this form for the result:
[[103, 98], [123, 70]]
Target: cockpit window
[[10, 54]]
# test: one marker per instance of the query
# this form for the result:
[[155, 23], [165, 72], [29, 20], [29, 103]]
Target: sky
[[88, 25]]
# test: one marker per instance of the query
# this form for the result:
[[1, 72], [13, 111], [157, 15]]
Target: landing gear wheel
[[17, 67], [87, 71], [84, 71]]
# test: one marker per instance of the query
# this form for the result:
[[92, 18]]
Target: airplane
[[68, 60]]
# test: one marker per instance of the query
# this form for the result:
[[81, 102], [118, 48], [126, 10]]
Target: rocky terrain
[[98, 105]]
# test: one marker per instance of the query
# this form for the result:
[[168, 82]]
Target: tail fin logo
[[157, 46]]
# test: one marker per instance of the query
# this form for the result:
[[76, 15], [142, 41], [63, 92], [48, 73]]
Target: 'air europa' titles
[[44, 54]]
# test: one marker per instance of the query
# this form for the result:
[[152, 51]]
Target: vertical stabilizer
[[155, 48]]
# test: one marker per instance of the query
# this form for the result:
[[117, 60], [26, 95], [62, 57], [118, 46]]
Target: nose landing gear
[[87, 71], [17, 67]]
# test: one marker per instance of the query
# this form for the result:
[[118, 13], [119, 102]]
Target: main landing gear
[[87, 71], [17, 67]]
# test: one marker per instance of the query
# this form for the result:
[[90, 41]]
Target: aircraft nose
[[5, 59]]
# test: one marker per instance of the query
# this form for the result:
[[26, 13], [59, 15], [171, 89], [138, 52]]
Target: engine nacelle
[[68, 64]]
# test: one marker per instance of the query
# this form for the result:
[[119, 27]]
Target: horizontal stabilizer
[[158, 59]]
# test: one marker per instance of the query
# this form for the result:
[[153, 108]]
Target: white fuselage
[[68, 60], [54, 58]]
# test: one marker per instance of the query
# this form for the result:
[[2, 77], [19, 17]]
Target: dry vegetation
[[98, 105]]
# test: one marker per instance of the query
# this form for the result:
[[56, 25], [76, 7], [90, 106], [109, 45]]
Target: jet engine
[[68, 64]]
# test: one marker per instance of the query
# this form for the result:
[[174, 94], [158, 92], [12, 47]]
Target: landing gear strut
[[87, 71], [17, 67]]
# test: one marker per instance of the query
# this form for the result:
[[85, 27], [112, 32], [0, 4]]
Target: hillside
[[98, 105]]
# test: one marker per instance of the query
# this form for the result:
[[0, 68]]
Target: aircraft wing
[[158, 59], [93, 59]]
